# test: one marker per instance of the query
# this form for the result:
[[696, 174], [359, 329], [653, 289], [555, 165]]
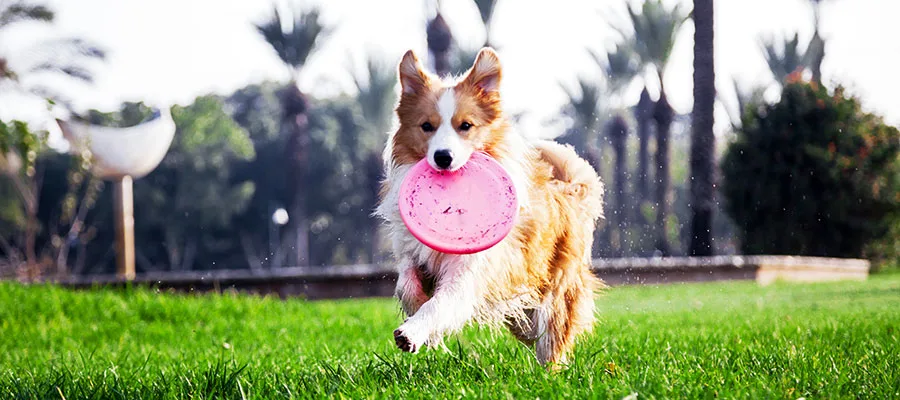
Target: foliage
[[786, 57], [186, 205], [345, 145], [45, 199], [69, 57], [620, 66], [18, 11], [652, 31], [184, 209], [712, 340], [19, 147], [377, 95], [812, 174], [129, 114]]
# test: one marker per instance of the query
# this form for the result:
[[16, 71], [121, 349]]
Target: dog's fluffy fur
[[538, 280]]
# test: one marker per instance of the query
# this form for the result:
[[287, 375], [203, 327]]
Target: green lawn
[[726, 340]]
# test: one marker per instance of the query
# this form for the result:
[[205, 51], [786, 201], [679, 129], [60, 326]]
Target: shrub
[[813, 175]]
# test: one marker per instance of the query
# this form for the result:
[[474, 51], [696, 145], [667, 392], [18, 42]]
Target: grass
[[726, 340]]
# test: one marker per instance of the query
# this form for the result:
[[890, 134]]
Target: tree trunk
[[295, 108], [663, 114], [702, 136], [618, 134], [644, 115]]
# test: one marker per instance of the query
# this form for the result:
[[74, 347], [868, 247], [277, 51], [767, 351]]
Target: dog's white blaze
[[446, 138]]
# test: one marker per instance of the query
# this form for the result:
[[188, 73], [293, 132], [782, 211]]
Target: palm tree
[[376, 96], [663, 114], [294, 47], [702, 137], [785, 57], [619, 67], [440, 41], [652, 34], [816, 47], [67, 56], [745, 98]]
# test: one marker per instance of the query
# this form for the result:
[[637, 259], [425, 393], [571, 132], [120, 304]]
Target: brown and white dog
[[538, 280]]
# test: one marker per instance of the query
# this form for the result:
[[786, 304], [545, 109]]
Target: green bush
[[814, 175]]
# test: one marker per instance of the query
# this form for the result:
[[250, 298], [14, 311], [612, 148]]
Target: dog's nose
[[443, 158]]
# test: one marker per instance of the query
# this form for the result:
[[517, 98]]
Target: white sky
[[169, 51]]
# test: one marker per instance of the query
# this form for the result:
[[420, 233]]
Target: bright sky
[[169, 51]]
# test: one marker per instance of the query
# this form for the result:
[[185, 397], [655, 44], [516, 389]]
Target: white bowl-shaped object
[[134, 150]]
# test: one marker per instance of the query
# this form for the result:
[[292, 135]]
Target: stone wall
[[378, 280]]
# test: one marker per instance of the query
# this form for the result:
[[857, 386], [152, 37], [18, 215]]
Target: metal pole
[[124, 214]]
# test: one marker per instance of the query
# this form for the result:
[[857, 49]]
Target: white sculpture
[[133, 151], [121, 154]]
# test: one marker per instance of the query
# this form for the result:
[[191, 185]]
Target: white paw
[[407, 340]]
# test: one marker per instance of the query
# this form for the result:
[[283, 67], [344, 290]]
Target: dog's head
[[445, 122]]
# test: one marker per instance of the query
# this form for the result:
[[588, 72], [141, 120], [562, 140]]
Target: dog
[[537, 281]]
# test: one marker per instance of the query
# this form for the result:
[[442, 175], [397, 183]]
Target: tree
[[663, 115], [19, 149], [67, 56], [185, 207], [294, 47], [652, 36], [376, 97], [584, 108], [816, 47], [702, 137], [440, 42], [257, 108], [785, 57], [643, 114], [185, 210], [619, 67], [813, 175]]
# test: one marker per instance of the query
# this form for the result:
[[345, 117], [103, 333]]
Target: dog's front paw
[[404, 342]]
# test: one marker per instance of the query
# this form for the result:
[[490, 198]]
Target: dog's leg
[[409, 288], [566, 312], [451, 307]]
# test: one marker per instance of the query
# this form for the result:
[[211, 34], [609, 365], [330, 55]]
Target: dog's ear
[[412, 77], [486, 71]]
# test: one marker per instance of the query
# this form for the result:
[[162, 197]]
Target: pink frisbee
[[460, 212]]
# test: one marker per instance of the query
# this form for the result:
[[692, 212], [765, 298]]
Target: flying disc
[[459, 212]]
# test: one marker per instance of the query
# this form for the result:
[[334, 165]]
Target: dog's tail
[[579, 177], [567, 308]]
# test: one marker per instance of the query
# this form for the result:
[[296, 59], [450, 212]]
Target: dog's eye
[[465, 126], [428, 127]]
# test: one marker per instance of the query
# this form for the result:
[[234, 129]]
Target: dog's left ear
[[486, 71]]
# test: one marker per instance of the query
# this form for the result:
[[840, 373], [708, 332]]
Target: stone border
[[378, 280]]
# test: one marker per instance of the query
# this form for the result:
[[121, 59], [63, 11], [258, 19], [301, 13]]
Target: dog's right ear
[[412, 77]]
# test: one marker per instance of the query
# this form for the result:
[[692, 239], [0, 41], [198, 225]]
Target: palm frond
[[70, 70], [620, 66], [653, 31], [745, 98], [376, 93], [584, 103], [784, 56], [294, 45], [19, 11]]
